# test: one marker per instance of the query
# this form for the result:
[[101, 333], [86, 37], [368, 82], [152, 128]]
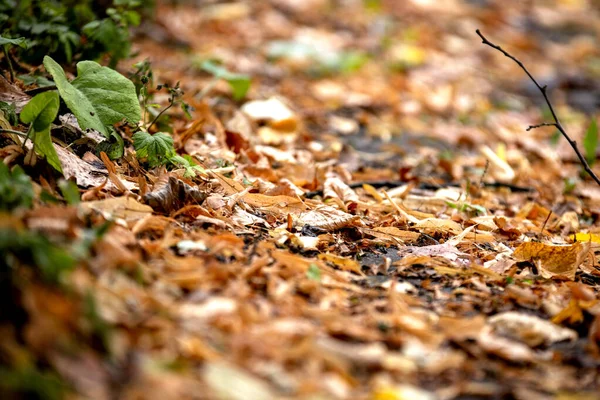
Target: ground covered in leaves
[[369, 221]]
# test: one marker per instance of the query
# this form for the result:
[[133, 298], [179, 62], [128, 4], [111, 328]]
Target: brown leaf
[[174, 195]]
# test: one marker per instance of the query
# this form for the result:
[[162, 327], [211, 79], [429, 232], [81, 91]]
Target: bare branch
[[556, 123]]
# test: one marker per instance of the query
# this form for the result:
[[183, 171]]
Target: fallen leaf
[[529, 329], [553, 260], [123, 207]]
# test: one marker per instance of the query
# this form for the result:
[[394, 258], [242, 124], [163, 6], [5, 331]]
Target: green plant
[[39, 113], [35, 250], [590, 142], [69, 29], [99, 96], [239, 83], [324, 61], [157, 149], [16, 190]]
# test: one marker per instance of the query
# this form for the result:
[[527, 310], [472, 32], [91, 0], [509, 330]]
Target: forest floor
[[372, 220]]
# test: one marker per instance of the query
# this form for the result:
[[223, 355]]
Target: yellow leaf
[[586, 237]]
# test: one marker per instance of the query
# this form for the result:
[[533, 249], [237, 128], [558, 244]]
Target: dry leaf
[[326, 218], [553, 260], [123, 207], [529, 329]]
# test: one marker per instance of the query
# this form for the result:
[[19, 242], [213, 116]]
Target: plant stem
[[27, 136], [159, 114], [10, 66], [13, 132]]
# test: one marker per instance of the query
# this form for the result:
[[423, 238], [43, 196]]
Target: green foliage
[[69, 191], [313, 272], [157, 149], [569, 185], [40, 112], [590, 142], [29, 382], [16, 190], [10, 112], [35, 250], [98, 97], [114, 147], [471, 209], [68, 29], [325, 61], [21, 42], [239, 83]]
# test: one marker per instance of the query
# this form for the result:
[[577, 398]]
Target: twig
[[556, 123], [530, 127]]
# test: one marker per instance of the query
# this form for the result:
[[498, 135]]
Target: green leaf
[[98, 97], [590, 142], [239, 83], [40, 112], [20, 41], [10, 112], [313, 272], [157, 148], [114, 147], [69, 191]]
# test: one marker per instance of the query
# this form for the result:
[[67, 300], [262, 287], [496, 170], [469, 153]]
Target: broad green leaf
[[76, 101], [20, 41], [239, 83], [112, 94], [157, 148], [40, 112], [590, 142], [98, 97]]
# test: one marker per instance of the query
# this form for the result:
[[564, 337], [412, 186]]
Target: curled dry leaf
[[173, 195], [334, 187], [553, 260], [326, 218]]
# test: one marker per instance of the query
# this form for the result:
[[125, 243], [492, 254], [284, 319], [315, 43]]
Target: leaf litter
[[369, 219]]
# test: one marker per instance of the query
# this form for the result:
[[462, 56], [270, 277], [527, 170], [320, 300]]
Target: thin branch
[[530, 127], [556, 123]]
